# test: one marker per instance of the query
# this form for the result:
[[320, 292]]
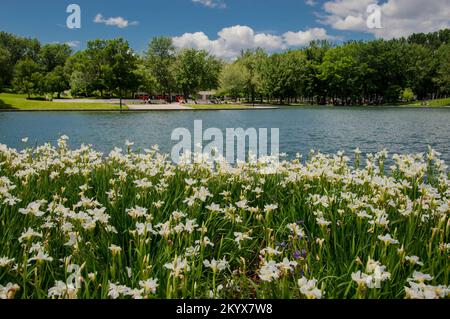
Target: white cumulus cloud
[[211, 3], [311, 3], [399, 18], [119, 22], [232, 40], [301, 38]]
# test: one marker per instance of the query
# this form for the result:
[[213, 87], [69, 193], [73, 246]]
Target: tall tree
[[5, 66], [145, 79], [211, 73], [281, 76], [442, 77], [122, 64], [195, 70], [56, 81], [253, 62], [95, 62], [233, 80], [79, 70], [340, 70], [420, 69], [53, 55], [272, 74], [160, 58], [19, 49], [314, 86], [27, 77], [296, 63]]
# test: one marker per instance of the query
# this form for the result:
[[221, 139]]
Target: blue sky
[[273, 24]]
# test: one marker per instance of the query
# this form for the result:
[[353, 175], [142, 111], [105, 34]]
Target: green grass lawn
[[433, 103], [19, 102]]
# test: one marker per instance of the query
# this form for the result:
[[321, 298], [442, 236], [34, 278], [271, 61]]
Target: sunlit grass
[[433, 103], [20, 102]]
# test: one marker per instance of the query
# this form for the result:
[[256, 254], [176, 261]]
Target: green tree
[[432, 40], [295, 67], [19, 49], [79, 83], [5, 66], [394, 74], [53, 55], [79, 70], [386, 71], [442, 76], [420, 69], [272, 76], [341, 71], [195, 70], [160, 58], [96, 63], [146, 81], [211, 73], [253, 62], [314, 87], [407, 95], [27, 77], [282, 75], [38, 83], [233, 80], [121, 66], [105, 66], [55, 81]]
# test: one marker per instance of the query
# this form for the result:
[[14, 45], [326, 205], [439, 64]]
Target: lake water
[[301, 129]]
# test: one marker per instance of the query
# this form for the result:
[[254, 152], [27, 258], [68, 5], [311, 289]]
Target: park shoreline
[[137, 110], [142, 110]]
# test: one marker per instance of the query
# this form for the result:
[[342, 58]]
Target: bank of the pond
[[141, 110], [19, 102]]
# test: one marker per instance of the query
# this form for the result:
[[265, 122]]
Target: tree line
[[356, 72]]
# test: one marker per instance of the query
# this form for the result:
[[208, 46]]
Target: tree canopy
[[159, 59], [355, 72], [195, 70]]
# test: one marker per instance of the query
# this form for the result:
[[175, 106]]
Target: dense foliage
[[356, 72]]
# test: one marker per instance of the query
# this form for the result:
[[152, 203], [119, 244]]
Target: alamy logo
[[74, 19], [240, 145], [374, 17]]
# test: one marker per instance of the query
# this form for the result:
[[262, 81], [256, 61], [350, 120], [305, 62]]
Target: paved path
[[161, 107], [178, 107], [158, 107], [100, 101]]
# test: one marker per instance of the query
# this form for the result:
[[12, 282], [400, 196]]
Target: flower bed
[[77, 224]]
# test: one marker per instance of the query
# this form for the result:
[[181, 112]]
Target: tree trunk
[[120, 100]]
